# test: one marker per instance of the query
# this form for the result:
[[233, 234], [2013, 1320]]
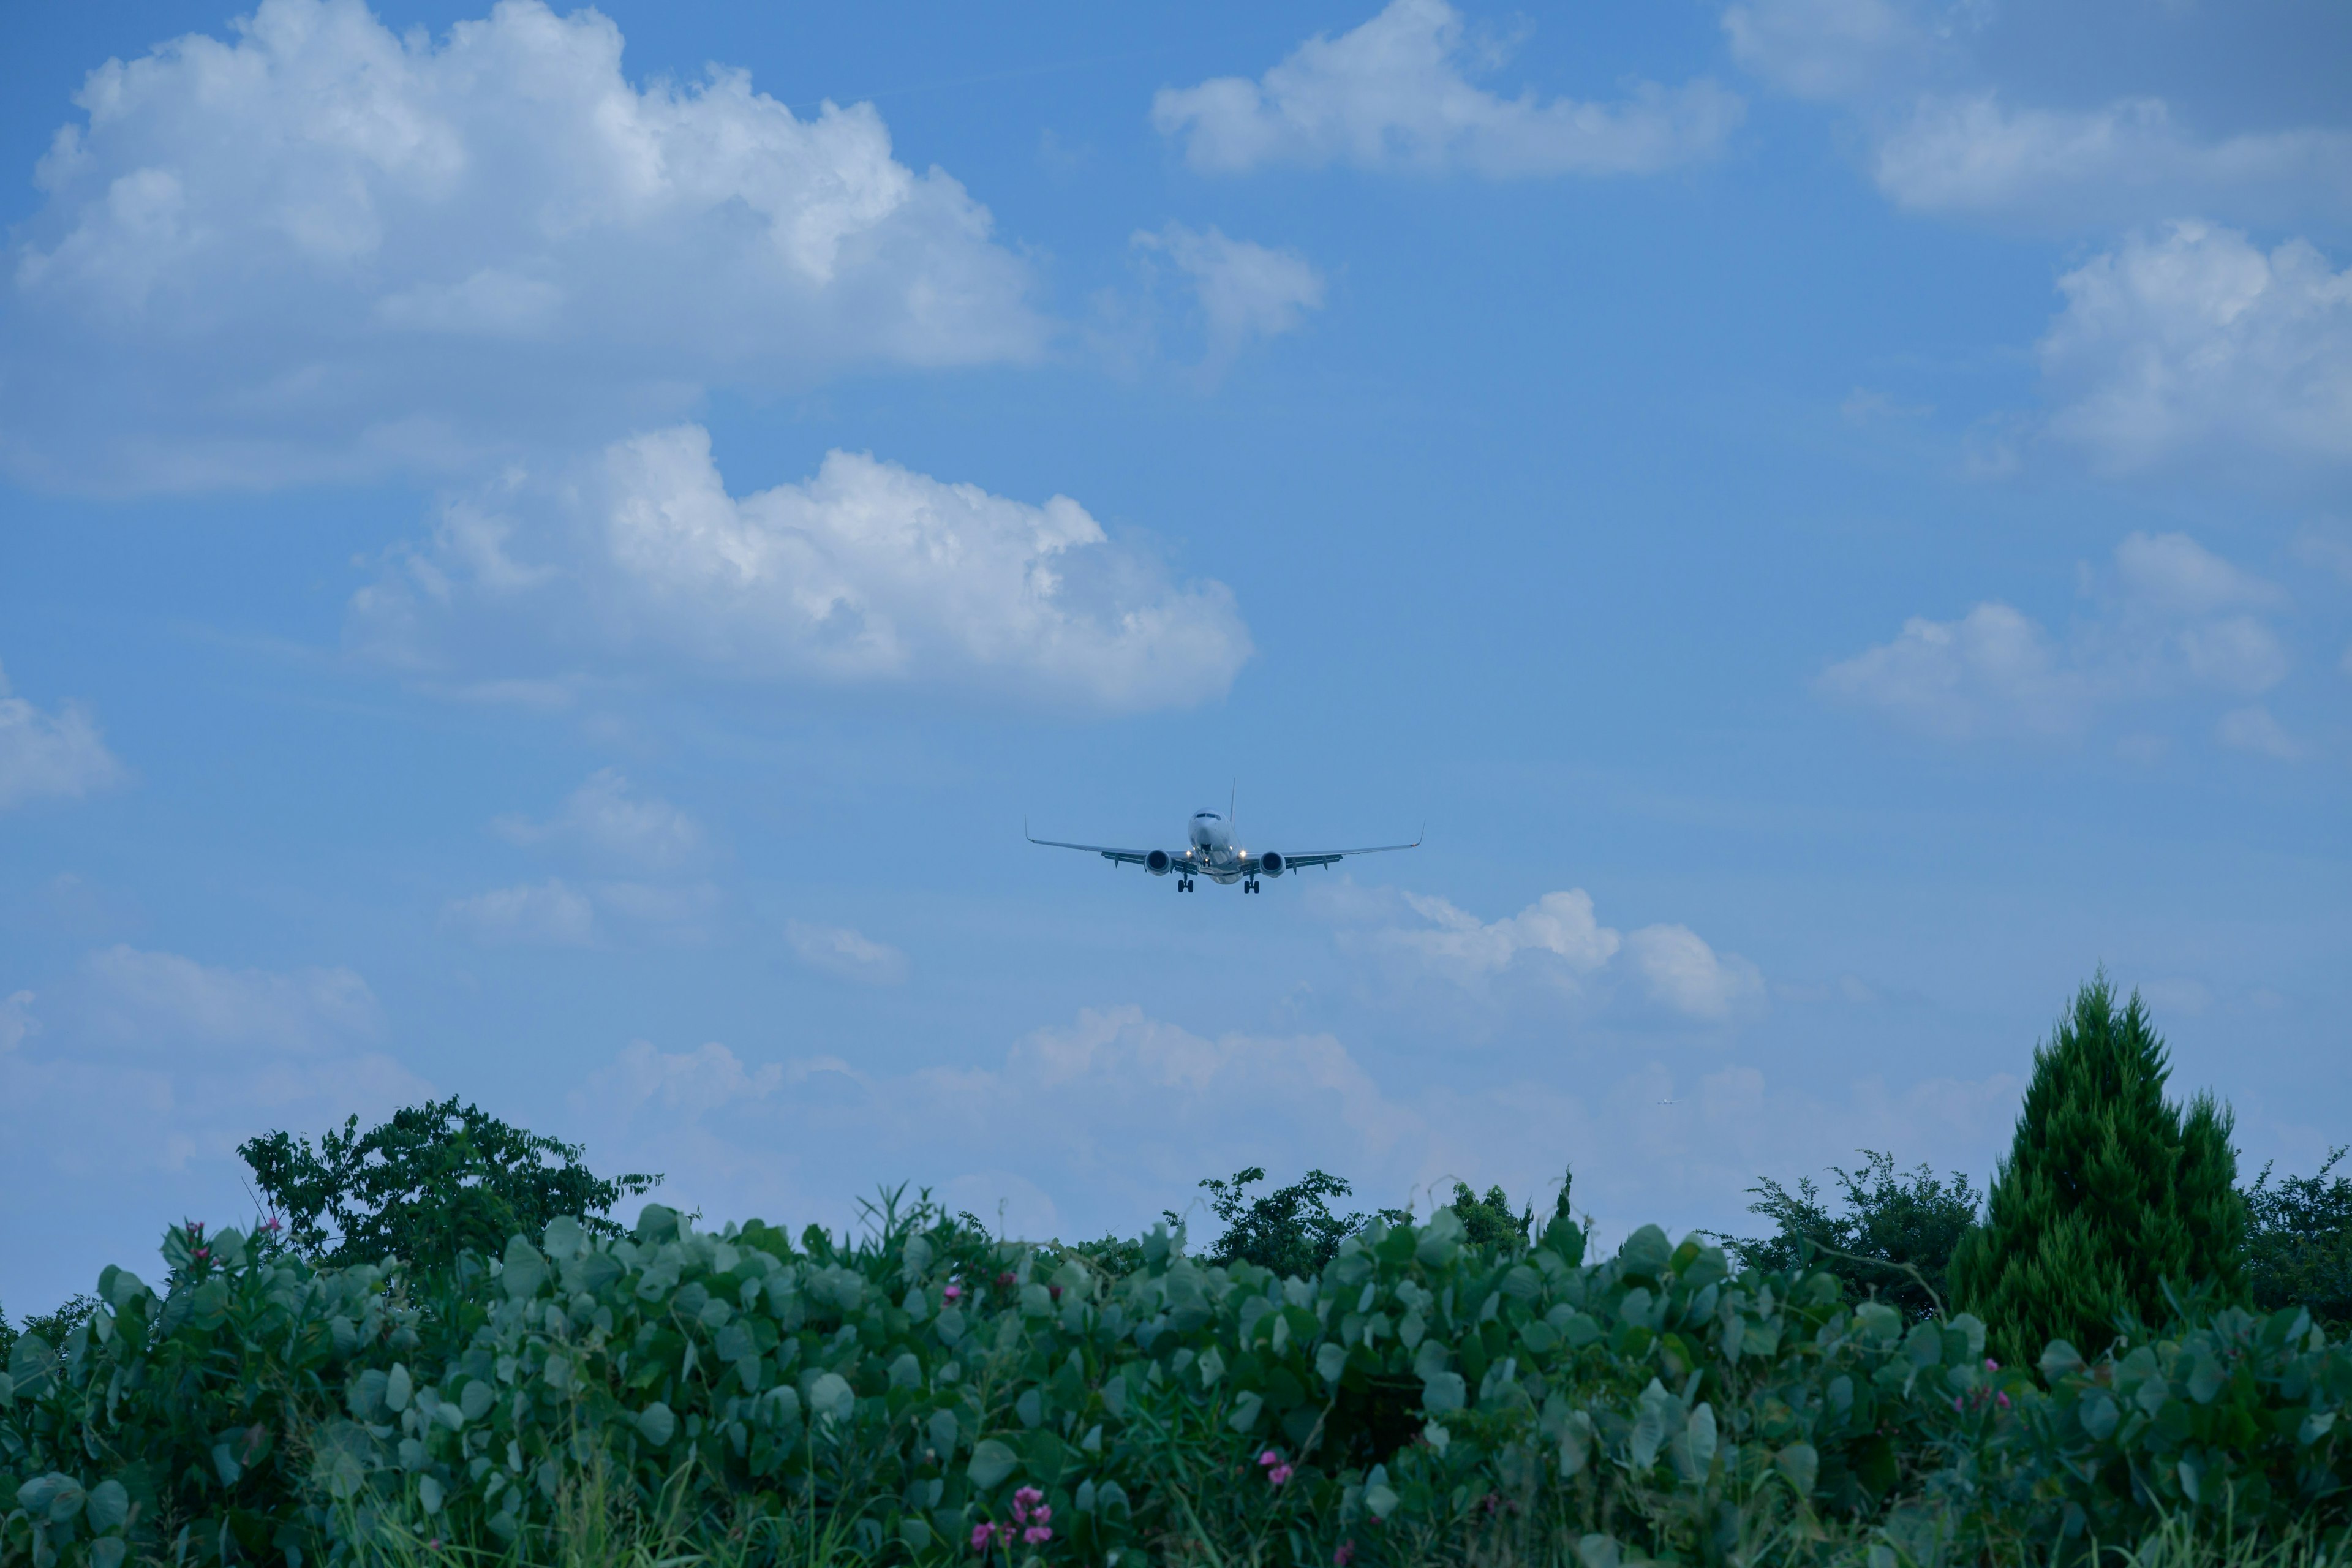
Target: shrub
[[1894, 1241], [2109, 1192], [930, 1383], [2299, 1243], [435, 1181], [1290, 1230]]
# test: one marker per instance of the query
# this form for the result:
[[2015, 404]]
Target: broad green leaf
[[1802, 1464], [991, 1461], [110, 1505], [832, 1399], [524, 1271], [1443, 1392], [658, 1424]]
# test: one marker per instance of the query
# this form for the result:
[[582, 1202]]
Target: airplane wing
[[1122, 857], [1306, 858]]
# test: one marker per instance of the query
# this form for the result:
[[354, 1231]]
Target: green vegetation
[[2299, 1243], [1290, 1230], [434, 1181], [2110, 1198], [1894, 1241], [377, 1383]]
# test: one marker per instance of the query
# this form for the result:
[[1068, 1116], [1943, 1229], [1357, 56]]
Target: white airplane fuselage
[[1213, 853]]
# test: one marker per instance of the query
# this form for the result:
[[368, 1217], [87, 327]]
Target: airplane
[[1213, 853]]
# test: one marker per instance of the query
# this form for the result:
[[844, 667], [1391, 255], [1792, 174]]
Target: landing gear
[[1183, 884], [1249, 885]]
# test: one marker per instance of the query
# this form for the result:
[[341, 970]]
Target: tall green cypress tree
[[2109, 1193]]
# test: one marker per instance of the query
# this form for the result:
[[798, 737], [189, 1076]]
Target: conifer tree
[[2108, 1193]]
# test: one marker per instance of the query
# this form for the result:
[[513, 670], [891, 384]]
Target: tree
[[2299, 1243], [435, 1181], [1488, 1222], [1290, 1230], [2110, 1193], [1894, 1241]]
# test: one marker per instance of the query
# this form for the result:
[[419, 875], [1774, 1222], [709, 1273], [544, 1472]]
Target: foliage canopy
[[1893, 1240], [434, 1181]]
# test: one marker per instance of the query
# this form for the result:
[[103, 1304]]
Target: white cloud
[[1392, 94], [866, 574], [1557, 943], [2176, 621], [1823, 49], [1930, 84], [1100, 1123], [47, 755], [123, 1104], [161, 999], [552, 913], [603, 821], [1457, 944], [2253, 729], [1247, 291], [16, 1021], [2195, 342], [318, 249], [1975, 156], [850, 955], [1681, 973]]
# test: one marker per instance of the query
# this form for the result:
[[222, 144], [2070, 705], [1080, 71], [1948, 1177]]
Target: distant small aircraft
[[1213, 854]]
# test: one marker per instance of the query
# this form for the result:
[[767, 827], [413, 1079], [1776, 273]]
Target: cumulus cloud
[[1823, 49], [1681, 972], [2194, 341], [552, 914], [1099, 1123], [319, 249], [604, 820], [51, 756], [849, 954], [2174, 620], [2254, 730], [159, 999], [1558, 944], [1394, 94], [1975, 155], [865, 574], [124, 1101], [1246, 291], [1943, 136]]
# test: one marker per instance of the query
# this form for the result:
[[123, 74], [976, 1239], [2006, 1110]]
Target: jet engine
[[1270, 864], [1157, 862]]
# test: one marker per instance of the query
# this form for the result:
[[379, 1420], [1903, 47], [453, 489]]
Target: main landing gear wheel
[[1185, 886], [1249, 885]]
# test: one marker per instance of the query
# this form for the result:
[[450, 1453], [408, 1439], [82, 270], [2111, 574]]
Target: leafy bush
[[1894, 1241], [435, 1181], [2299, 1243], [1415, 1400], [2109, 1194], [1290, 1230]]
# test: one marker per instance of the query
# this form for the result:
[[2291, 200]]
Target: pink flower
[[1041, 1514], [1038, 1535], [1955, 1402], [272, 1225], [201, 1252], [981, 1536], [1991, 1366], [2001, 1400], [953, 1292], [1004, 1280], [1279, 1474], [1025, 1500], [1345, 1554], [1269, 1458]]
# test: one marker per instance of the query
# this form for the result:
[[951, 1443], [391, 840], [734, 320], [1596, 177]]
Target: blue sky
[[548, 554]]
